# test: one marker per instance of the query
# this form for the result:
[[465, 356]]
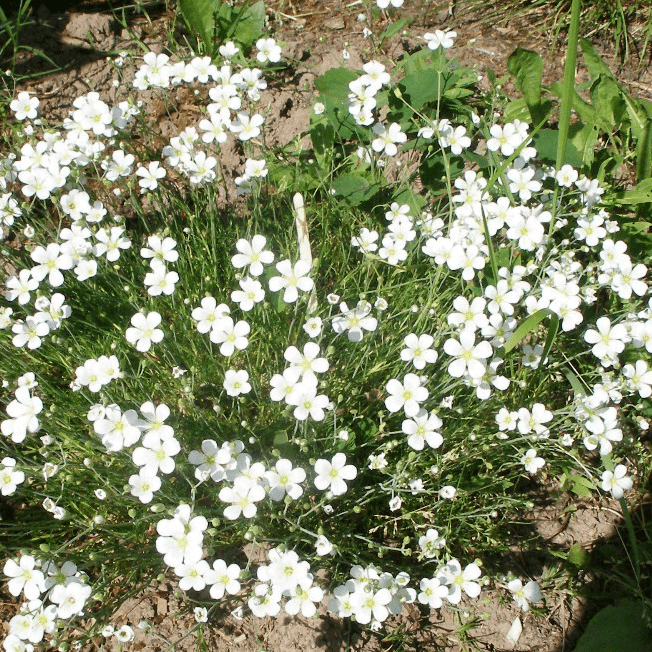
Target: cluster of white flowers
[[52, 595], [362, 102], [94, 374], [22, 411], [159, 280], [371, 595], [479, 323], [286, 575]]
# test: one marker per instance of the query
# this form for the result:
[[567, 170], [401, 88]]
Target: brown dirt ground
[[314, 33]]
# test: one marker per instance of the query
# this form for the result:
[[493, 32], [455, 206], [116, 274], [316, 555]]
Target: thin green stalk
[[632, 540], [567, 93]]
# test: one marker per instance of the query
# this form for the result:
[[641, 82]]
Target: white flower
[[422, 429], [125, 634], [285, 480], [447, 492], [159, 280], [150, 176], [201, 614], [531, 462], [252, 254], [230, 335], [10, 477], [242, 497], [251, 292], [355, 321], [223, 579], [24, 106], [387, 139], [143, 332], [459, 580], [25, 577], [523, 595], [439, 38], [431, 543], [418, 350], [313, 326], [469, 357], [432, 592], [293, 278], [209, 313], [268, 50], [144, 485], [407, 395], [247, 127], [307, 363], [617, 481], [162, 249], [332, 475], [236, 382], [323, 546]]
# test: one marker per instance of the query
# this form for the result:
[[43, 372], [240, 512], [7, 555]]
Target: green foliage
[[527, 68], [214, 22], [620, 627], [11, 28]]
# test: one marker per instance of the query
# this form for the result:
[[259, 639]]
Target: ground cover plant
[[371, 368]]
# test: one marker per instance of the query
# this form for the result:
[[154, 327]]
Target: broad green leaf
[[199, 16], [354, 189], [605, 94], [517, 110], [575, 382], [578, 556], [617, 628], [394, 28], [584, 110], [584, 138], [546, 145], [322, 134], [248, 24], [334, 84], [457, 93], [426, 75], [422, 87], [639, 194], [423, 60], [527, 67], [593, 62]]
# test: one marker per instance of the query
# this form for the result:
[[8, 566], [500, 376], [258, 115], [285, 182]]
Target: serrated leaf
[[578, 556], [617, 628], [199, 16]]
